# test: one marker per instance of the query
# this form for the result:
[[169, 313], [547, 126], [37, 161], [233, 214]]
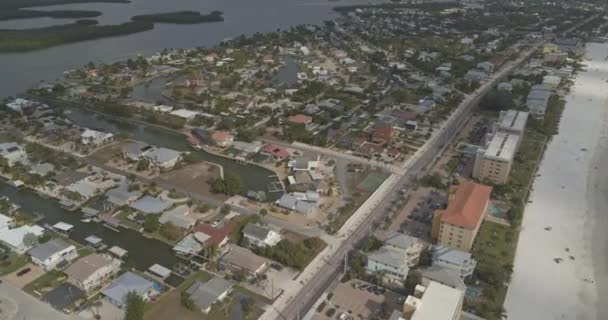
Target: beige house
[[494, 163], [92, 271], [457, 226]]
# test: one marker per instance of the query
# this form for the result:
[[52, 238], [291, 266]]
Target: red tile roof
[[221, 135], [404, 115], [216, 234], [275, 150], [466, 205], [300, 118], [384, 133]]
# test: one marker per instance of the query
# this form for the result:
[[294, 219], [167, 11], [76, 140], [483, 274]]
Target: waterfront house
[[457, 226], [294, 203], [218, 235], [136, 151], [116, 292], [239, 259], [191, 244], [222, 138], [13, 153], [92, 271], [150, 205], [16, 239], [179, 216], [53, 252], [95, 138], [445, 276], [204, 295], [301, 119], [164, 158], [121, 196], [260, 236], [274, 151]]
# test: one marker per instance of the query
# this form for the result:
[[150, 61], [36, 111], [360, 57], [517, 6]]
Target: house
[[449, 258], [457, 225], [538, 100], [16, 240], [242, 259], [178, 216], [552, 81], [304, 163], [274, 151], [117, 291], [13, 153], [260, 236], [300, 119], [222, 138], [150, 205], [191, 244], [6, 222], [53, 252], [92, 271], [494, 162], [204, 295], [291, 202], [164, 158], [446, 277], [136, 151], [390, 262], [185, 114], [434, 302], [217, 235], [382, 134], [412, 246], [95, 138], [121, 195]]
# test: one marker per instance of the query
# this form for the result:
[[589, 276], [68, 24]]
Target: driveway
[[20, 282]]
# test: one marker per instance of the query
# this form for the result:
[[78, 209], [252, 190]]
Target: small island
[[181, 17], [66, 14]]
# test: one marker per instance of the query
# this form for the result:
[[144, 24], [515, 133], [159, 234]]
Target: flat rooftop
[[502, 147], [513, 120], [439, 302]]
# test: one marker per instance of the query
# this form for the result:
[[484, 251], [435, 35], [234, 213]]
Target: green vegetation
[[135, 307], [181, 17], [45, 283], [432, 181], [39, 153], [230, 185], [40, 38], [26, 14], [346, 211], [13, 263], [170, 231], [151, 223], [293, 254]]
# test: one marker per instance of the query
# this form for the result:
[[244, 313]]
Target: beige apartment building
[[493, 163], [457, 226], [92, 271]]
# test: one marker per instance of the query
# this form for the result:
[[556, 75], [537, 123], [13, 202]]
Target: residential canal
[[25, 69], [253, 177], [143, 252]]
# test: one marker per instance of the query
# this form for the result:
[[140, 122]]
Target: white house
[[6, 222], [92, 271], [14, 238], [261, 236], [13, 152], [412, 246], [390, 262], [95, 138], [49, 254]]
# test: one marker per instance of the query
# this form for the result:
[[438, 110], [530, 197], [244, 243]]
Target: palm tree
[[94, 307]]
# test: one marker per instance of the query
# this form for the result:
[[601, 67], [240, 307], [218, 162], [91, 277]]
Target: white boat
[[87, 220]]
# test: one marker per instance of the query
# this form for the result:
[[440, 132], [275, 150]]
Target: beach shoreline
[[561, 263]]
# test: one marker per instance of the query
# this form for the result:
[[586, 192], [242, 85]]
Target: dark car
[[276, 266], [23, 272]]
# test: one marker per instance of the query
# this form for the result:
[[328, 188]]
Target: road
[[325, 270]]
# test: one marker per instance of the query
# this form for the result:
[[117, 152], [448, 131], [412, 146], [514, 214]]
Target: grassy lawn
[[45, 283], [13, 263], [122, 216]]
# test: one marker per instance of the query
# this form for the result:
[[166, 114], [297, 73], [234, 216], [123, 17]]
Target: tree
[[225, 209], [30, 240], [411, 281], [187, 302], [170, 231], [135, 307], [426, 257], [151, 223], [230, 185], [263, 211]]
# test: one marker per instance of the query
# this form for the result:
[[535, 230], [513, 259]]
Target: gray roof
[[128, 282], [161, 155], [86, 266], [452, 256], [205, 294], [179, 217], [47, 249], [287, 201], [150, 205], [304, 207], [136, 148], [448, 277], [120, 195], [396, 315], [389, 256], [256, 231], [400, 240]]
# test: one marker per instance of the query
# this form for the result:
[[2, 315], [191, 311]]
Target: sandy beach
[[568, 213]]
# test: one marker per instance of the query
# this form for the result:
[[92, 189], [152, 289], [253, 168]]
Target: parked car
[[23, 272], [276, 266], [343, 316]]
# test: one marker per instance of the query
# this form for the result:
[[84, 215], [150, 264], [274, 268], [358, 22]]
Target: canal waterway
[[138, 246], [253, 178], [24, 70]]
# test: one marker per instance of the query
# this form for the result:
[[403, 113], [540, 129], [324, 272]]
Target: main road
[[325, 270]]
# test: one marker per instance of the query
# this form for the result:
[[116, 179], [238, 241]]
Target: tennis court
[[372, 181]]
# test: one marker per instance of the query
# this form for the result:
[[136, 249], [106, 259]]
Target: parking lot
[[359, 300], [275, 280]]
